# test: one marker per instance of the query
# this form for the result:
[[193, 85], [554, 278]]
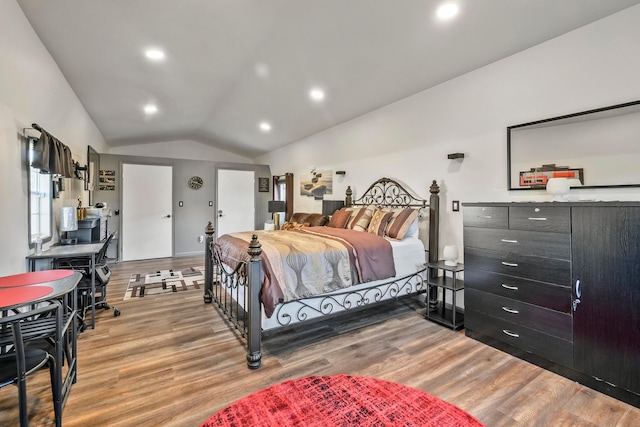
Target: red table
[[21, 292], [33, 278]]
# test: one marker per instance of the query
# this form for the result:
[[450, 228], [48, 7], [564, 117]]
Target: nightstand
[[449, 316]]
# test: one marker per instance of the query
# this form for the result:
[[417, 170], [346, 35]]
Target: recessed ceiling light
[[265, 126], [154, 54], [150, 109], [316, 94], [262, 70], [447, 11]]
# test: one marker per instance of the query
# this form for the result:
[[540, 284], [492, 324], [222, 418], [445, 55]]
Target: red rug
[[340, 400]]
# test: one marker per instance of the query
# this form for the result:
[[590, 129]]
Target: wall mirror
[[93, 164], [595, 148]]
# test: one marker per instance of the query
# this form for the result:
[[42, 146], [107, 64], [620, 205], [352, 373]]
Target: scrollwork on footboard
[[323, 305]]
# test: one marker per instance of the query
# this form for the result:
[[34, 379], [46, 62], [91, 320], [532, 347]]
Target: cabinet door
[[606, 261]]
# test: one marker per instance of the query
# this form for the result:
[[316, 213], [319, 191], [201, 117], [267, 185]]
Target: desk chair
[[103, 274], [17, 361]]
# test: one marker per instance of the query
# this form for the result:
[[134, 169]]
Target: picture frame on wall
[[263, 185]]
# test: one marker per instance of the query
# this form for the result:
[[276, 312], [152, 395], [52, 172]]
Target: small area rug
[[164, 282], [341, 400]]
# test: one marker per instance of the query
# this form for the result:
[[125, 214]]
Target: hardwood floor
[[171, 360]]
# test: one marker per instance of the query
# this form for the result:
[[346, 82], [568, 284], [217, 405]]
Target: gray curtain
[[52, 156]]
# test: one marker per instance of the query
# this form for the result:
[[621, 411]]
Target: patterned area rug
[[164, 282], [341, 400]]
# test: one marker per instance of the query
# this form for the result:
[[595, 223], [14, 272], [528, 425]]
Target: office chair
[[103, 274], [18, 361]]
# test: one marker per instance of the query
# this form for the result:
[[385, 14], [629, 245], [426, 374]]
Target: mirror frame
[[93, 166], [598, 113]]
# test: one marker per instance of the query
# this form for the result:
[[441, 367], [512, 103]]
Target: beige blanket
[[310, 261]]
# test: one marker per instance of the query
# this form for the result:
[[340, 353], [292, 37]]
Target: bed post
[[348, 200], [254, 328], [434, 232], [208, 264]]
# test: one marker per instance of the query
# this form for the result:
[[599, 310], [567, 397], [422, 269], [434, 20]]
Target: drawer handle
[[511, 288], [511, 334], [508, 241], [538, 219], [485, 216], [510, 310], [509, 264]]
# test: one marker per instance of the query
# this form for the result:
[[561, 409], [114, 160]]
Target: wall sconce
[[340, 172], [455, 156]]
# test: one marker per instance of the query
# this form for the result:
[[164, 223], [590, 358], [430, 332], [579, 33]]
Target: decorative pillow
[[400, 223], [339, 219], [379, 222], [298, 217], [353, 212], [288, 225], [311, 219], [316, 220], [360, 218]]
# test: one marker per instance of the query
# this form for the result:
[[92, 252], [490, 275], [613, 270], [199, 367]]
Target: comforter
[[310, 261]]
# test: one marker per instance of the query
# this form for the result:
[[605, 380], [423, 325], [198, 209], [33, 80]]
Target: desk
[[85, 250], [23, 291]]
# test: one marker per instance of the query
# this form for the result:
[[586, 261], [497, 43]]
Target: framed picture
[[263, 185]]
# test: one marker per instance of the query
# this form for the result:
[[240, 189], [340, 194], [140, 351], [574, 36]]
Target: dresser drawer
[[529, 340], [486, 216], [540, 218], [530, 316], [542, 244], [554, 297], [527, 267]]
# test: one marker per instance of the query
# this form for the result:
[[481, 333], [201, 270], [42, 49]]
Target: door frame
[[256, 195], [141, 162]]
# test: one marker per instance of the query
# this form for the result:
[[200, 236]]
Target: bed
[[367, 254]]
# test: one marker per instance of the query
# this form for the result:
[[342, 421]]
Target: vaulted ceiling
[[232, 65]]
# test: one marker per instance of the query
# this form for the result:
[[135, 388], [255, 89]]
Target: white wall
[[593, 66], [32, 90], [183, 149]]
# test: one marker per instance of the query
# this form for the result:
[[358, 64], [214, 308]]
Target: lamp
[[559, 188], [275, 207], [68, 222], [330, 206], [450, 255]]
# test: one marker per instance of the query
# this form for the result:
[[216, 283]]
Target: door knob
[[220, 213], [168, 216]]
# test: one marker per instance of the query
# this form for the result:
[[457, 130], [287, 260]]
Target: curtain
[[52, 156]]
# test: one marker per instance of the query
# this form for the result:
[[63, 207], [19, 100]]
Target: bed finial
[[435, 188], [209, 229], [255, 248], [348, 199]]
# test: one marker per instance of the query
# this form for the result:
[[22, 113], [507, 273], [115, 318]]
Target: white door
[[236, 201], [147, 223]]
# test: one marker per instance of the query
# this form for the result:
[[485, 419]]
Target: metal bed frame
[[236, 291]]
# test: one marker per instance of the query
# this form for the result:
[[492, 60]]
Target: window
[[39, 202]]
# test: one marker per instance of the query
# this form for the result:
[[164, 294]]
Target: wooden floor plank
[[171, 360]]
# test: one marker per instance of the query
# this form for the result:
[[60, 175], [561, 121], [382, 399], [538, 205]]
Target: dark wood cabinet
[[558, 284], [606, 260]]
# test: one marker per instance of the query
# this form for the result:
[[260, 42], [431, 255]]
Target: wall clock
[[195, 182]]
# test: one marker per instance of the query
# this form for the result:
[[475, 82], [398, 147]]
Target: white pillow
[[413, 231]]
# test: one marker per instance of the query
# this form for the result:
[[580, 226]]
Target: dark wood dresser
[[558, 284]]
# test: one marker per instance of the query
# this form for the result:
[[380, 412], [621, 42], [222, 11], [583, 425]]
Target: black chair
[[17, 360], [102, 276]]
